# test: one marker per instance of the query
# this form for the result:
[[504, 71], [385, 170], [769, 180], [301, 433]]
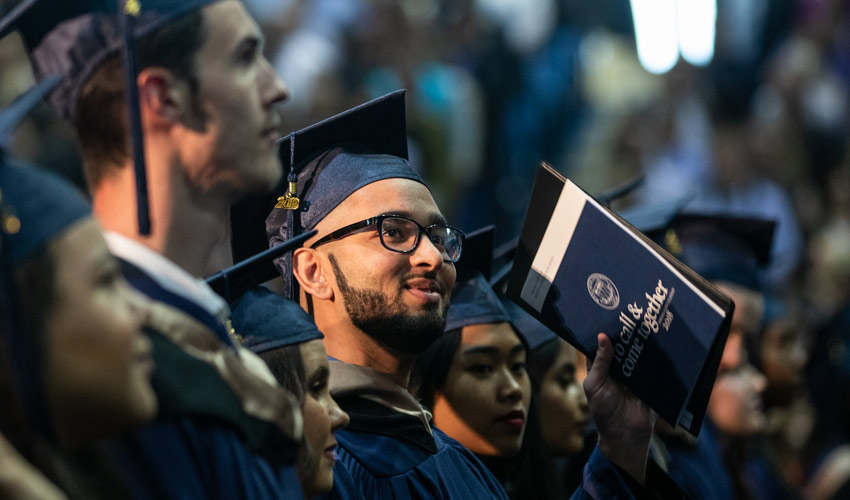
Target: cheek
[[469, 396], [316, 426], [726, 405]]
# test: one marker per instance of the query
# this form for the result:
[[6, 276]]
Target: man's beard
[[389, 322]]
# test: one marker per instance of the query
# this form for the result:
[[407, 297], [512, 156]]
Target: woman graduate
[[75, 367], [558, 427], [474, 377], [288, 341]]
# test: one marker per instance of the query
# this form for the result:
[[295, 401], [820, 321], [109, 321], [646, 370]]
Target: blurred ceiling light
[[655, 34], [664, 28], [697, 19]]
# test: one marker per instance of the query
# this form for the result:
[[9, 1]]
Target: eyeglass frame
[[378, 221]]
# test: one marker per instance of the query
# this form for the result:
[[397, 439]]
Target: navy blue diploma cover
[[581, 269]]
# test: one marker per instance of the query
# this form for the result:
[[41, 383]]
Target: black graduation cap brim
[[356, 125], [232, 282], [477, 255], [11, 116], [267, 321]]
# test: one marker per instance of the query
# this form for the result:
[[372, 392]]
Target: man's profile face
[[232, 144], [399, 299]]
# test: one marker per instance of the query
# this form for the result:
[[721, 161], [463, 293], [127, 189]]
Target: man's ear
[[310, 273], [162, 97]]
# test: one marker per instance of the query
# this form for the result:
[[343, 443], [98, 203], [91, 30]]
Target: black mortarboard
[[534, 332], [327, 162], [473, 300], [266, 321], [718, 247]]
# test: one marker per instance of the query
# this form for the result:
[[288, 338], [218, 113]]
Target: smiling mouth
[[425, 289]]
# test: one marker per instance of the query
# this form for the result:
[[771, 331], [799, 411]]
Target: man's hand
[[625, 423]]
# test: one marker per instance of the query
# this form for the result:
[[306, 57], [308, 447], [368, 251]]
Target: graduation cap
[[232, 282], [74, 38], [719, 247], [327, 162], [535, 333], [267, 321], [473, 300]]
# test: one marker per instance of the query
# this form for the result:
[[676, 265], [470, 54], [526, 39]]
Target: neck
[[187, 226], [349, 344]]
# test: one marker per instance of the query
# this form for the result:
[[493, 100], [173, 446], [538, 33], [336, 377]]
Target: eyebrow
[[436, 218], [489, 349], [321, 372]]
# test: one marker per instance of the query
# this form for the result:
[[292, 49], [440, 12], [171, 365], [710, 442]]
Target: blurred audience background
[[757, 125]]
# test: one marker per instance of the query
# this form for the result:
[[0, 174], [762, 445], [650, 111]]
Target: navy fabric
[[197, 459], [535, 333], [602, 479], [145, 284], [266, 321], [73, 39], [698, 468], [202, 445], [473, 302], [371, 466], [45, 205]]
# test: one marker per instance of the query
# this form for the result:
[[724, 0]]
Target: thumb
[[598, 372], [604, 355]]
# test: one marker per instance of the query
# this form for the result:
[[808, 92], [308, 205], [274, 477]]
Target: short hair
[[102, 119]]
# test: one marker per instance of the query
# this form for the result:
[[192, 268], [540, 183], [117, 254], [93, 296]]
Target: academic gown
[[389, 450], [198, 446], [698, 468]]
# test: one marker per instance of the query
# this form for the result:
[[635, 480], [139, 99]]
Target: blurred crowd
[[496, 86]]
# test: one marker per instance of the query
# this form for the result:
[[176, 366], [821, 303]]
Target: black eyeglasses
[[402, 234]]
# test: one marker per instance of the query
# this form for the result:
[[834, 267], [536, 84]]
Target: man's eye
[[519, 367]]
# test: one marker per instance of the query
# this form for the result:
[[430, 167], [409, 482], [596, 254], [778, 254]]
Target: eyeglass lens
[[402, 235]]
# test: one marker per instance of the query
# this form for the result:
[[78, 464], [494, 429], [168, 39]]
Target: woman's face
[[563, 405], [322, 418], [484, 401], [735, 405], [98, 362]]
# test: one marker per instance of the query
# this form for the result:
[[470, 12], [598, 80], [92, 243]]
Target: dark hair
[[540, 360], [101, 119], [432, 367], [33, 290], [287, 365]]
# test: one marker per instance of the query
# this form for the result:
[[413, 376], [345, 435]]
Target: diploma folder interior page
[[581, 269]]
